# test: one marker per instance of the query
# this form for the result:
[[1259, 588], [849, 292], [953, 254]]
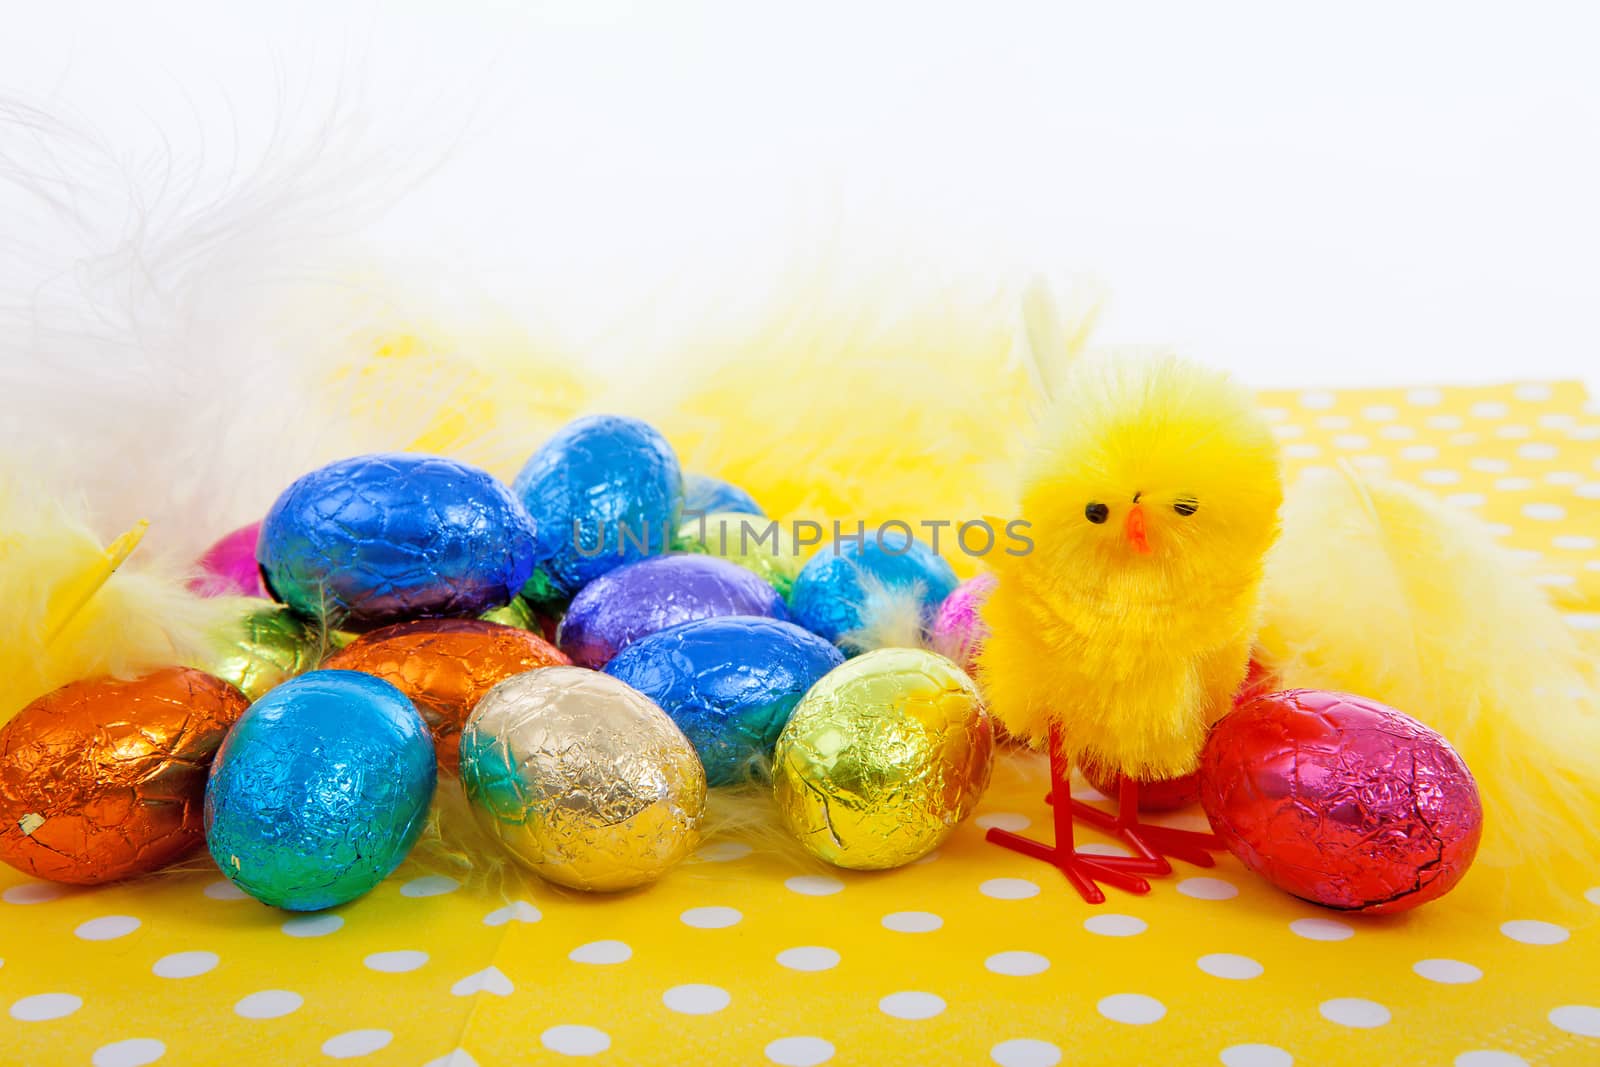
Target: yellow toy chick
[[1125, 632]]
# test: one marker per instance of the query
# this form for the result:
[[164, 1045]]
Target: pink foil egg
[[229, 567], [958, 628]]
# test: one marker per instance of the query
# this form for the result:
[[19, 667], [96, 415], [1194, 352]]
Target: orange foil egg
[[105, 779], [445, 666]]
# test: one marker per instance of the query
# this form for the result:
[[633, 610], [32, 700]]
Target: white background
[[1341, 195]]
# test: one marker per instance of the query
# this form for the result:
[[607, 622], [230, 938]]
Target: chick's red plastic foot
[[1147, 840], [1084, 872]]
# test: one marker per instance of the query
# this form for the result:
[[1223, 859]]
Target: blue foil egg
[[728, 683], [618, 608], [320, 790], [379, 539], [604, 491], [707, 495], [834, 595]]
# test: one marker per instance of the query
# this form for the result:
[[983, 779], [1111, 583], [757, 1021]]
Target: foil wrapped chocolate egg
[[958, 627], [705, 495], [266, 648], [832, 594], [882, 758], [604, 491], [105, 779], [641, 598], [229, 567], [320, 790], [730, 684], [379, 539], [1341, 800], [583, 779], [746, 539], [446, 666]]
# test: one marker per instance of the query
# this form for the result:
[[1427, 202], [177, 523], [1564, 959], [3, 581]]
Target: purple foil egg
[[229, 567], [638, 599], [959, 629]]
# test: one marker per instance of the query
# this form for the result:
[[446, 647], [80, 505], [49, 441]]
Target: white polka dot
[[696, 999], [33, 893], [1555, 579], [1534, 932], [1227, 965], [1322, 929], [1317, 399], [42, 1007], [353, 1043], [799, 1051], [1526, 555], [809, 958], [1513, 433], [1397, 432], [432, 885], [1352, 441], [1423, 397], [1274, 414], [1444, 422], [225, 890], [269, 1004], [1115, 925], [814, 885], [1589, 490], [1379, 412], [1584, 433], [1017, 964], [1009, 889], [1488, 465], [517, 911], [1354, 1012], [1563, 477], [1256, 1056], [1538, 450], [398, 962], [1440, 477], [458, 1057], [711, 918], [1449, 972], [1285, 430], [134, 1052], [1544, 512], [1025, 1052], [575, 1040], [602, 952], [185, 965], [1532, 392], [1592, 565], [1134, 1008], [1208, 889], [1513, 485], [1467, 500], [1488, 1058], [931, 857], [1334, 422], [491, 980], [1101, 848], [313, 925], [1004, 820], [1593, 896], [723, 852], [1557, 420], [912, 922], [1302, 451], [1583, 620], [1488, 409], [1577, 1019], [911, 1005], [1371, 463], [107, 928], [1419, 453]]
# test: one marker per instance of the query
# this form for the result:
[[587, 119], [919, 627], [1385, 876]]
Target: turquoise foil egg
[[842, 589], [604, 491], [729, 683], [320, 790]]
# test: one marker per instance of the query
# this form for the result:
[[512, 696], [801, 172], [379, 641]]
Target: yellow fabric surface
[[975, 955]]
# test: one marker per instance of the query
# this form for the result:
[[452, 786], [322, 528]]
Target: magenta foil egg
[[958, 628]]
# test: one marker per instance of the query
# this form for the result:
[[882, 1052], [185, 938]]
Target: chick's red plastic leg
[[1149, 841], [1084, 872]]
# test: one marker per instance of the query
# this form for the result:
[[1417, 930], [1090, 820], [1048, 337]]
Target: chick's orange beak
[[1135, 530]]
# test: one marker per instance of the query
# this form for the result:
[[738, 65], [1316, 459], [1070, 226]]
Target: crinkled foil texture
[[1341, 800], [267, 648], [446, 666], [831, 593], [378, 539], [104, 779], [746, 539], [320, 790], [882, 758], [583, 779], [729, 683]]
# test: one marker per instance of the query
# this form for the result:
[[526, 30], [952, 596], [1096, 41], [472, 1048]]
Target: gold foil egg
[[267, 647], [882, 758], [582, 778]]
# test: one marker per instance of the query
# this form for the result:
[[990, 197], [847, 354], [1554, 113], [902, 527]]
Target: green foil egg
[[754, 542], [267, 647]]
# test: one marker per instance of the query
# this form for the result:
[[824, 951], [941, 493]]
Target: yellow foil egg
[[582, 778], [266, 648], [882, 758]]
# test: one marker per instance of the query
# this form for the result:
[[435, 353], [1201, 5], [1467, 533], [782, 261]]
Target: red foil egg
[[1341, 800]]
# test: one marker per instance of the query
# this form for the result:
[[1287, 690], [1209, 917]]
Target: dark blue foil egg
[[320, 790], [707, 495], [379, 539], [604, 491], [728, 683], [617, 609], [831, 596]]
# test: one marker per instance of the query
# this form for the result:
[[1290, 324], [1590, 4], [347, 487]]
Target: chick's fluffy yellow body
[[1152, 502]]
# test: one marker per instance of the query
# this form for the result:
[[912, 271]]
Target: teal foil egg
[[729, 683], [604, 491], [320, 790], [843, 586]]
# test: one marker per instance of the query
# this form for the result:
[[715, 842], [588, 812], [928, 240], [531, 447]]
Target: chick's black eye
[[1096, 513], [1186, 506]]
